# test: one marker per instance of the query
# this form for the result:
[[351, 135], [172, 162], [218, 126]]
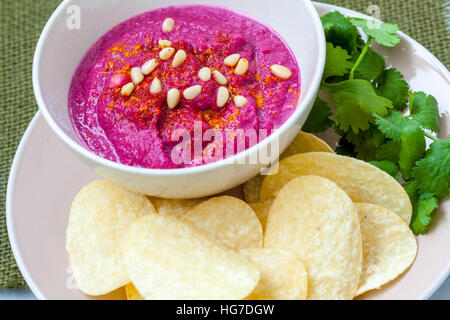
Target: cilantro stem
[[429, 136], [412, 95], [360, 58]]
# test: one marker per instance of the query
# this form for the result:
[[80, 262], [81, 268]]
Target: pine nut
[[205, 74], [173, 98], [242, 67], [168, 25], [166, 53], [165, 43], [222, 96], [220, 78], [149, 66], [156, 86], [232, 61], [136, 75], [240, 101], [127, 89], [281, 71], [192, 92], [179, 58]]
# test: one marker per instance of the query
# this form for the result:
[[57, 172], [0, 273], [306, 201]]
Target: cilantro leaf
[[383, 33], [389, 151], [412, 149], [432, 173], [365, 142], [391, 85], [424, 110], [388, 167], [336, 63], [350, 116], [356, 101], [340, 31], [356, 138], [319, 118], [367, 149], [411, 189], [393, 125], [345, 148], [424, 207], [371, 66]]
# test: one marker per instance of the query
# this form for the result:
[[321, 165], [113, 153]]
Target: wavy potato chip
[[99, 218], [132, 293], [228, 219], [283, 275], [252, 188], [167, 259], [316, 219], [389, 246], [174, 207], [303, 143], [363, 182], [262, 210]]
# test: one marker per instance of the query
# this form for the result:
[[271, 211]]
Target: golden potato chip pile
[[320, 226]]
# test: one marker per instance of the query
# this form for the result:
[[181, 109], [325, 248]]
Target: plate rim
[[18, 156], [10, 226]]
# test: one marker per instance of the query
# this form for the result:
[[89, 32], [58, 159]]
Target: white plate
[[45, 176]]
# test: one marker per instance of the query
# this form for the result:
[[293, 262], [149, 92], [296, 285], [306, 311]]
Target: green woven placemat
[[21, 22]]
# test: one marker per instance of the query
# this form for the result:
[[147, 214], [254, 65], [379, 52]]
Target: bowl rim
[[237, 158]]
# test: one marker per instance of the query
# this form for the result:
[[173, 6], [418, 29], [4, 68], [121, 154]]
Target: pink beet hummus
[[137, 129]]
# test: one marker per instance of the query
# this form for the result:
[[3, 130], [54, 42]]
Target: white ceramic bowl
[[60, 49]]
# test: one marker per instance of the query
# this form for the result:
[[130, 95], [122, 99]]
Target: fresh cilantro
[[411, 189], [383, 33], [319, 118], [364, 143], [412, 149], [424, 207], [432, 173], [370, 101], [337, 63], [345, 148], [388, 167], [424, 110], [349, 116], [366, 149], [356, 101], [356, 138], [371, 66], [389, 151], [340, 31], [391, 85], [392, 125]]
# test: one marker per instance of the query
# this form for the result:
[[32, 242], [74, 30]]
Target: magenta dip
[[137, 128]]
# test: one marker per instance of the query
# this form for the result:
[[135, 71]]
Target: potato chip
[[362, 181], [283, 275], [167, 259], [99, 218], [303, 143], [317, 220], [228, 219], [175, 208], [132, 293], [252, 188], [262, 210], [389, 246]]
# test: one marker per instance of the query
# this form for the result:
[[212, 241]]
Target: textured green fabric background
[[21, 22]]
